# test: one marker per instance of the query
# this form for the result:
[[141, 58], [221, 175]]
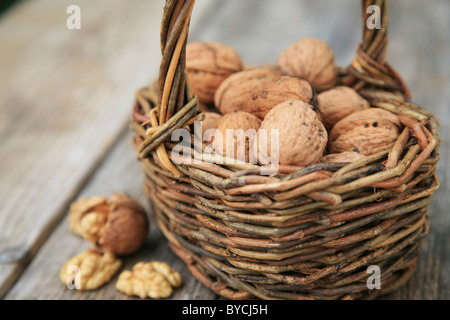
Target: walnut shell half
[[118, 225]]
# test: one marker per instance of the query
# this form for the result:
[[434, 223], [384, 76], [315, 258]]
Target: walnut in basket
[[258, 90], [367, 132], [312, 59], [208, 64], [337, 103], [237, 130], [302, 137]]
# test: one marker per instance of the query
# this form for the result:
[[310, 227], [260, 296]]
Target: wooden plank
[[235, 22], [419, 50], [119, 172], [65, 97]]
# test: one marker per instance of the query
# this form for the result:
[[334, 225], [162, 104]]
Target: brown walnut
[[312, 59], [208, 64], [118, 225], [242, 128], [257, 91], [302, 137], [337, 103], [367, 132]]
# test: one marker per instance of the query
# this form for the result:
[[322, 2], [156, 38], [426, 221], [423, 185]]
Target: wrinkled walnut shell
[[208, 64], [239, 122], [258, 90], [339, 102], [312, 59], [302, 136], [366, 132]]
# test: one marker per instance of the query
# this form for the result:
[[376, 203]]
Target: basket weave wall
[[303, 233]]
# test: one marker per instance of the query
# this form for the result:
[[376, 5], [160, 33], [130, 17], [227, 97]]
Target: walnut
[[152, 279], [210, 121], [258, 90], [367, 132], [95, 269], [343, 157], [339, 102], [238, 124], [312, 59], [302, 137], [118, 225], [208, 64]]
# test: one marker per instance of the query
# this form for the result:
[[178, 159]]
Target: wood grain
[[65, 97], [259, 30]]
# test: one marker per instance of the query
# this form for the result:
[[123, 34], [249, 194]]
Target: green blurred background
[[5, 4]]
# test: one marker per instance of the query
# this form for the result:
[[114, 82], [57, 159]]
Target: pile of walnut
[[116, 227], [318, 120]]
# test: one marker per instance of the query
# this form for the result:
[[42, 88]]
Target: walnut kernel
[[238, 123], [118, 225], [152, 279], [95, 269]]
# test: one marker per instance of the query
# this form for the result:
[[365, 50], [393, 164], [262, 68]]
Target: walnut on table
[[149, 280], [90, 269], [118, 225]]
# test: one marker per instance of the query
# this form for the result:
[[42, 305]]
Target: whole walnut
[[118, 225], [237, 130], [209, 122], [337, 103], [208, 64], [367, 132], [312, 59], [302, 138], [257, 91], [343, 157]]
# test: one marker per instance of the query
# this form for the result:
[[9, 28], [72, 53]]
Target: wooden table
[[65, 106]]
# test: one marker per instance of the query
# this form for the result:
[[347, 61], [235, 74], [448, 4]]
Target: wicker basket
[[304, 233]]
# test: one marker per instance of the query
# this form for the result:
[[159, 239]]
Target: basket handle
[[369, 68]]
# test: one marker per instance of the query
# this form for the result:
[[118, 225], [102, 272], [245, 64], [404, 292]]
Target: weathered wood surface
[[66, 99]]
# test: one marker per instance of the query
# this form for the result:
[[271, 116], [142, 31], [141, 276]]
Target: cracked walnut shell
[[312, 59], [118, 225], [208, 64], [339, 102], [302, 138], [152, 279], [366, 132], [90, 269]]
